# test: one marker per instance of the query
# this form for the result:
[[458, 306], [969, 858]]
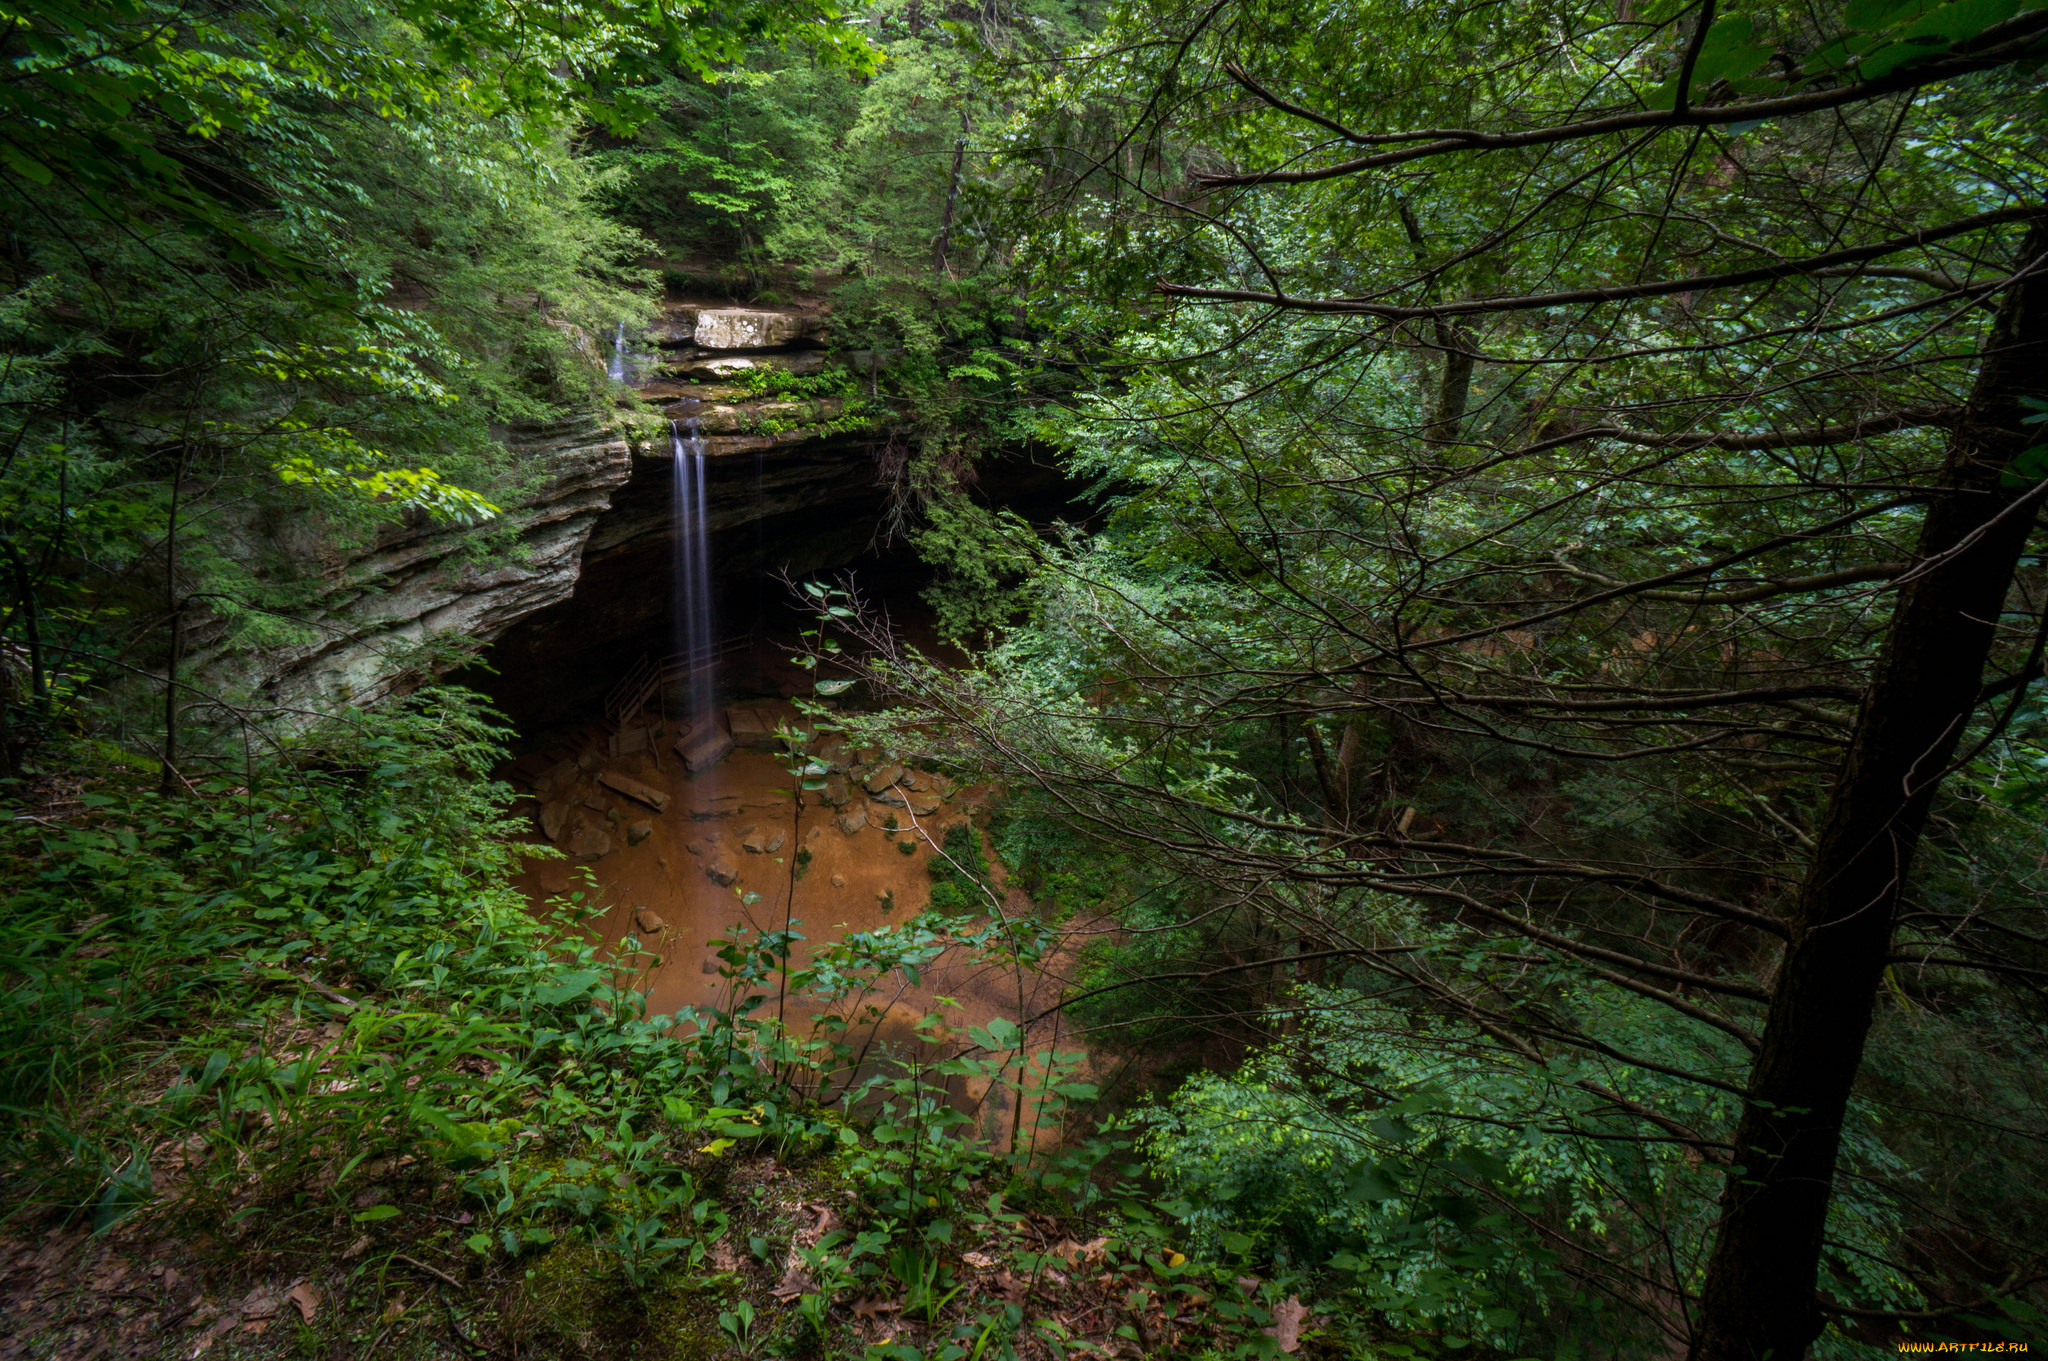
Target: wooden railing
[[647, 678]]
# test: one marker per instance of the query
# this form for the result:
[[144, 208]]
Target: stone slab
[[636, 790]]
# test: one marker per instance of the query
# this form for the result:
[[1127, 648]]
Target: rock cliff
[[375, 629]]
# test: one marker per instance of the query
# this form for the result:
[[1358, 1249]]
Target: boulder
[[839, 881], [909, 780], [721, 870], [736, 328], [553, 817], [883, 778], [924, 805], [705, 744], [590, 843], [636, 790], [637, 832], [836, 791], [852, 821], [677, 325], [776, 841], [589, 763], [751, 727]]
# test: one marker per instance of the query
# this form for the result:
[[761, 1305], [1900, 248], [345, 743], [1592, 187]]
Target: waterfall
[[692, 570], [619, 369]]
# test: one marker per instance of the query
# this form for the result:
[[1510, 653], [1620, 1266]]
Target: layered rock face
[[706, 344], [373, 631], [790, 487]]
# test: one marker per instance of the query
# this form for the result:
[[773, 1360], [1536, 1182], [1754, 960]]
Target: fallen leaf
[[1067, 1250], [794, 1282], [262, 1302], [307, 1297], [875, 1308], [1288, 1316], [980, 1261], [1011, 1288]]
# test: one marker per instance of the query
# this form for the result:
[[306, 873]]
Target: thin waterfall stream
[[691, 576], [619, 368]]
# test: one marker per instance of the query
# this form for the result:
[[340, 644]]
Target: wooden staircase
[[651, 679]]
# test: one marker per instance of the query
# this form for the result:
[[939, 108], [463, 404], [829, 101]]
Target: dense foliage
[[1540, 443]]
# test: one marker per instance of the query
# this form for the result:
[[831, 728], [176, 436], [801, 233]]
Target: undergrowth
[[308, 1007]]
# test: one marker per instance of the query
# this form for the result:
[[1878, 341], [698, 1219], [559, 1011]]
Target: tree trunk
[[1759, 1298], [169, 783], [945, 241]]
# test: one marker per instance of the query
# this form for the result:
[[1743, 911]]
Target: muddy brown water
[[740, 817]]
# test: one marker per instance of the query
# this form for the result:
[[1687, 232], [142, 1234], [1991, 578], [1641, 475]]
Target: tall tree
[[1574, 478]]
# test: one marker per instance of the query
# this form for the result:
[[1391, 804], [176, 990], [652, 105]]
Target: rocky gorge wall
[[582, 586]]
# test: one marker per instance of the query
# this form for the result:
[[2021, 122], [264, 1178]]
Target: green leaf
[[2028, 467], [377, 1213], [569, 987]]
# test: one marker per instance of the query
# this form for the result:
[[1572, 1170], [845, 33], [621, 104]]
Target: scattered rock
[[883, 778], [910, 780], [695, 848], [589, 763], [711, 964], [552, 818], [590, 843], [636, 790], [637, 832], [751, 727], [705, 744], [924, 805], [836, 791], [760, 842], [852, 821], [839, 881], [722, 871], [648, 922]]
